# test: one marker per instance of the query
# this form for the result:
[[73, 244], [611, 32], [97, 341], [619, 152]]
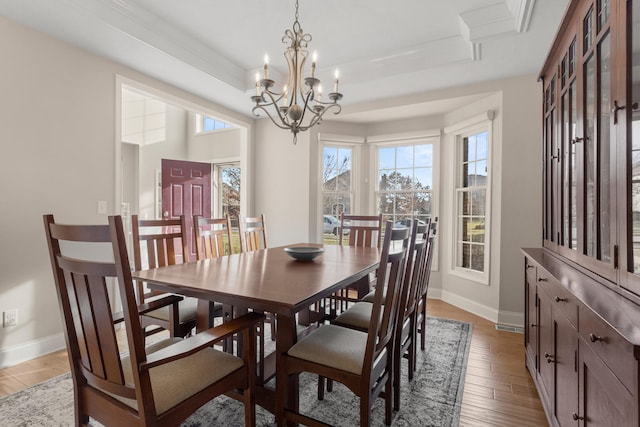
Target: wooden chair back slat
[[362, 230], [212, 237], [253, 233], [156, 243]]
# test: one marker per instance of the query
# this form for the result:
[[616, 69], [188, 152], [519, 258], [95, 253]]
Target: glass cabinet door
[[626, 116]]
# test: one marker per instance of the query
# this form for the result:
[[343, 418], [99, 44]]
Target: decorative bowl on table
[[302, 253]]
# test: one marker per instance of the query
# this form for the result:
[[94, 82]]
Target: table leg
[[362, 286], [286, 388], [203, 315]]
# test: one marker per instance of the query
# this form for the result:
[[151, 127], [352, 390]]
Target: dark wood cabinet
[[582, 288], [582, 344]]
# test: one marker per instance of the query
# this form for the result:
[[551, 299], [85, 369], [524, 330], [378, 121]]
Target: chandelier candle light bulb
[[302, 105]]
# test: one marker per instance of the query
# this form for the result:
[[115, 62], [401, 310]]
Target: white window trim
[[474, 125], [431, 136], [346, 141]]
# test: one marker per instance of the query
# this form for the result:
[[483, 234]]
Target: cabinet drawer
[[561, 298], [615, 351]]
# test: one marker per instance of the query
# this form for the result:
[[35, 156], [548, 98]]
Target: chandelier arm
[[318, 116], [286, 126]]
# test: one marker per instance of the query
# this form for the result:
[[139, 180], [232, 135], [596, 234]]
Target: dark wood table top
[[269, 279]]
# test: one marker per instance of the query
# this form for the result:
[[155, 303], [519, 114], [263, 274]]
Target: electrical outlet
[[102, 207], [10, 318]]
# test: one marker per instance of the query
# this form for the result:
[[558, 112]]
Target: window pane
[[404, 157], [470, 174], [422, 204], [465, 235], [605, 98], [478, 202], [481, 172], [471, 148], [386, 203], [386, 158], [481, 145], [423, 178], [466, 203], [477, 258], [423, 155], [477, 231]]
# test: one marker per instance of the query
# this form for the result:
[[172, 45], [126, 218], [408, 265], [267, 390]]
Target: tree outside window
[[405, 182], [337, 180]]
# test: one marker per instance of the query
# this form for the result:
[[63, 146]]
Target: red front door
[[186, 190]]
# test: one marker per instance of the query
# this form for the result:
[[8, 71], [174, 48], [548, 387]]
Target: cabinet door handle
[[576, 417], [617, 108], [558, 299], [549, 357], [533, 325], [529, 266], [577, 139], [542, 279], [594, 338]]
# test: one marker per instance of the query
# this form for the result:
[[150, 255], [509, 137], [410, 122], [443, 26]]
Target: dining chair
[[253, 233], [359, 231], [212, 237], [421, 309], [160, 385], [358, 315], [362, 361], [253, 237], [158, 243]]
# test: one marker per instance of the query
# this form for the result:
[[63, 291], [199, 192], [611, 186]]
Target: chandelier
[[300, 105]]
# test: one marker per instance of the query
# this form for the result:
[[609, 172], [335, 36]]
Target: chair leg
[[365, 409], [272, 321], [397, 362], [320, 387], [387, 401]]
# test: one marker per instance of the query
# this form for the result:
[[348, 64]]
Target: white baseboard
[[473, 307], [510, 319], [21, 353]]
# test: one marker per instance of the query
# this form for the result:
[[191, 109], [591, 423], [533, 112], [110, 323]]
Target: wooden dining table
[[269, 280]]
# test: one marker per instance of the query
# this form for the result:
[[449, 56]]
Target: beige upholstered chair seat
[[333, 346], [369, 297], [186, 308], [357, 316], [176, 381]]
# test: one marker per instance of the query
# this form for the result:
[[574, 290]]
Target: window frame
[[474, 126], [433, 137], [340, 141]]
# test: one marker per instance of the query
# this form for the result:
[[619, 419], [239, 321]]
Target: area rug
[[433, 398]]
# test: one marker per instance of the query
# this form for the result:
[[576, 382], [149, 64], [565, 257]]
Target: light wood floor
[[498, 390]]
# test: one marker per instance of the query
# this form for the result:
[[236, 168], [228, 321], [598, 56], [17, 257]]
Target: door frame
[[189, 102]]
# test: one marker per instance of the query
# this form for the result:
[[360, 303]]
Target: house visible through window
[[337, 185], [471, 188], [405, 182]]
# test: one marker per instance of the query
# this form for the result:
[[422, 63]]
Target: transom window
[[209, 124]]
